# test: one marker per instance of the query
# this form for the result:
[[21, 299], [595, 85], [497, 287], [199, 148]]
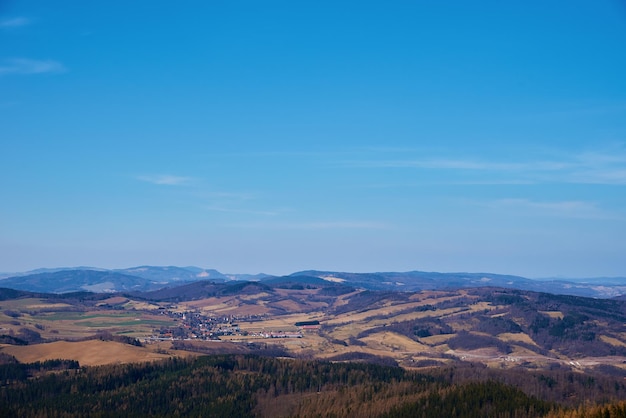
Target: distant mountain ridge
[[169, 274], [151, 278], [64, 281], [141, 278], [420, 280]]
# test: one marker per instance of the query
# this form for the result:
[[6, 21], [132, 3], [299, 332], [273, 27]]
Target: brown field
[[289, 305], [390, 341], [612, 341], [513, 337], [88, 353], [225, 306], [435, 340], [553, 314], [357, 331]]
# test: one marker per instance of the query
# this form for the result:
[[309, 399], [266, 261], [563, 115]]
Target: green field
[[134, 323]]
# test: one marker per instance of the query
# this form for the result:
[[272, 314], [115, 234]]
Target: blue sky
[[279, 136]]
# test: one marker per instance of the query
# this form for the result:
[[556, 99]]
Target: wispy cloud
[[567, 208], [601, 167], [313, 225], [226, 196], [460, 182], [23, 66], [605, 166], [342, 225], [462, 164], [231, 202], [615, 176], [14, 22], [166, 180], [243, 211]]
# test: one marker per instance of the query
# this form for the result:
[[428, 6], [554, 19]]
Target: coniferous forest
[[246, 385]]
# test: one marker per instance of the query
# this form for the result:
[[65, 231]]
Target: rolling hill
[[149, 278], [496, 326]]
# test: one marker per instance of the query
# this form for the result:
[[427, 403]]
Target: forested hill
[[246, 386]]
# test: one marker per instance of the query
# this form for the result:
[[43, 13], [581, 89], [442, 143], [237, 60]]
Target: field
[[69, 322], [88, 353], [502, 329]]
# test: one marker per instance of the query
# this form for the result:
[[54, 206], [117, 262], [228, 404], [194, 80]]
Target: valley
[[501, 328], [303, 346]]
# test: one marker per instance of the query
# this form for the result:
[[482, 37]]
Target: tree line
[[255, 386]]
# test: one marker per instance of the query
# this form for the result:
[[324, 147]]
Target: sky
[[280, 136]]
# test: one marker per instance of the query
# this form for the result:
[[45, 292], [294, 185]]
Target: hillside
[[93, 352], [494, 326], [253, 386], [559, 350]]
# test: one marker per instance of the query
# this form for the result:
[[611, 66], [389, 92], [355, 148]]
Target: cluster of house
[[197, 325], [281, 334]]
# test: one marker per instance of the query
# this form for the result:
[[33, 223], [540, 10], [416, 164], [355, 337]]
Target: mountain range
[[150, 278]]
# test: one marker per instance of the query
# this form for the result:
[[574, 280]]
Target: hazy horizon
[[277, 137], [286, 273]]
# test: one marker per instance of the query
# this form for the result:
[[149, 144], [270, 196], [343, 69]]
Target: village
[[196, 325]]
